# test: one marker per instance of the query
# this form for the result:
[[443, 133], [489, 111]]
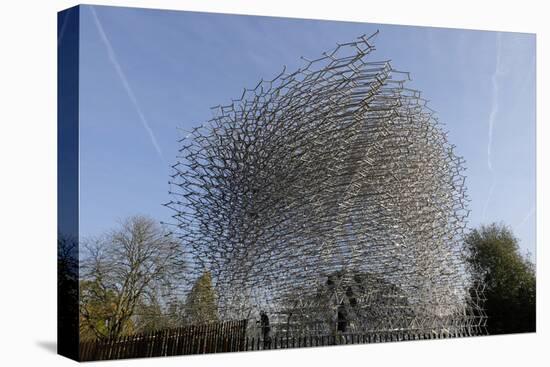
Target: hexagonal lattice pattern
[[328, 196]]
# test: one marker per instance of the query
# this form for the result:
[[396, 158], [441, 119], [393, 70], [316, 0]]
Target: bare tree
[[129, 266], [67, 293]]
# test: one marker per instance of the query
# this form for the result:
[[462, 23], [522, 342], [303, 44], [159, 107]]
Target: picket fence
[[230, 336]]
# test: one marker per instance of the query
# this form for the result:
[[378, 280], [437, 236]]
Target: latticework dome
[[336, 172]]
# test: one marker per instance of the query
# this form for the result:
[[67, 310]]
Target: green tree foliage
[[151, 316], [509, 279], [98, 311], [200, 306]]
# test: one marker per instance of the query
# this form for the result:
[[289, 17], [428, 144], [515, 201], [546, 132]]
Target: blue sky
[[144, 73]]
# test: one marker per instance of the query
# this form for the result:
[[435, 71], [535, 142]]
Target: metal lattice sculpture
[[330, 199]]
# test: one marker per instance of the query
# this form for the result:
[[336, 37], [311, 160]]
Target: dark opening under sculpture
[[329, 199]]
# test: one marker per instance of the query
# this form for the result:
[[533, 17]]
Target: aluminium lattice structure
[[329, 195]]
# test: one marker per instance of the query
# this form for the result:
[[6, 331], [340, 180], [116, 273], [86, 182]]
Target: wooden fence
[[231, 336], [226, 336], [282, 342]]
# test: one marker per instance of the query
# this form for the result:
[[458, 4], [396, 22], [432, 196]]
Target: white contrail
[[68, 13], [124, 80], [492, 118], [494, 108], [527, 217]]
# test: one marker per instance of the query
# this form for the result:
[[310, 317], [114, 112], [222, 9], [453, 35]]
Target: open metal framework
[[330, 199]]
